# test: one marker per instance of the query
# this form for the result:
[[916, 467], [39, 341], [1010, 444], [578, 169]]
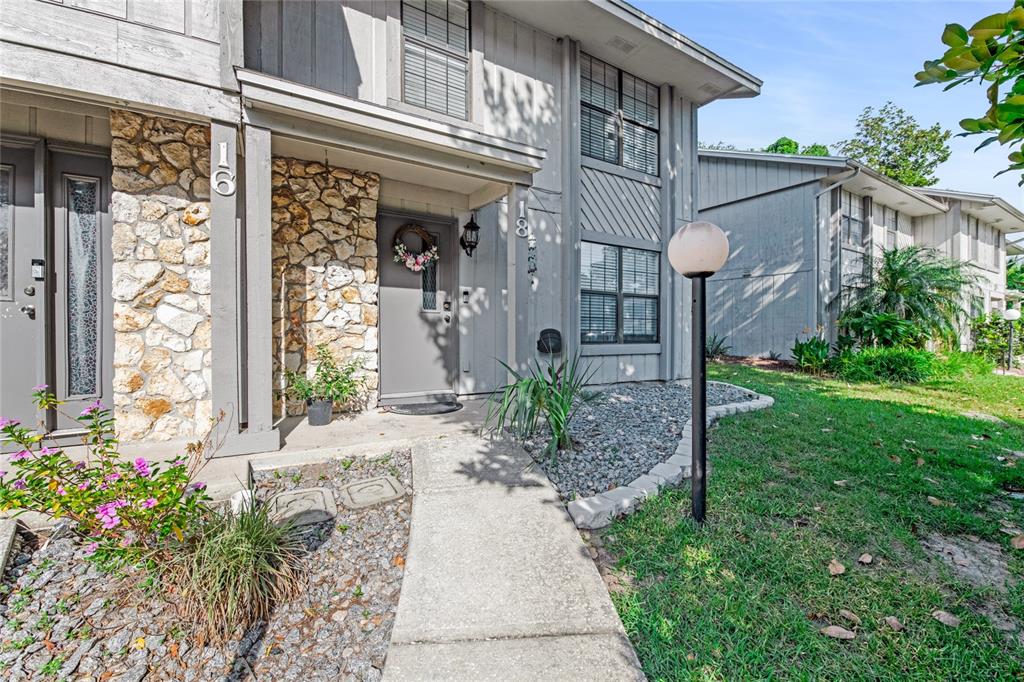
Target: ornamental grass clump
[[237, 568], [553, 394], [128, 512]]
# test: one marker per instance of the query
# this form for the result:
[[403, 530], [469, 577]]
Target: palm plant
[[553, 392], [1015, 274], [917, 284]]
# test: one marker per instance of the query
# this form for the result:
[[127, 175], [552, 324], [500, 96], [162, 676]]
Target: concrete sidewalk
[[498, 584]]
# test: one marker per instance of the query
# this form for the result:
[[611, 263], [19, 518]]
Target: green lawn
[[745, 596]]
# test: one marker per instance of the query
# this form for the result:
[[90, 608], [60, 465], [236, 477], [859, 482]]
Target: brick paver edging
[[598, 511]]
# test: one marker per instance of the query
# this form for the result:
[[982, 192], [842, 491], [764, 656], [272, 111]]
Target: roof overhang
[[836, 162], [1015, 248], [395, 144], [987, 208], [622, 35], [893, 194]]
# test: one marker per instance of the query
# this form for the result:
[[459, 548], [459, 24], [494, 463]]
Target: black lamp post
[[470, 236], [697, 251]]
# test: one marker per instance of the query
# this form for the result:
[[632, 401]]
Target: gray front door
[[417, 335], [55, 308]]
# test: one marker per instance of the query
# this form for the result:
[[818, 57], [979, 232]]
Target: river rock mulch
[[622, 433], [62, 619]]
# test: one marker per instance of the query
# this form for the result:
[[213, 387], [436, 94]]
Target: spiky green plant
[[552, 393], [917, 284], [1015, 273], [233, 573]]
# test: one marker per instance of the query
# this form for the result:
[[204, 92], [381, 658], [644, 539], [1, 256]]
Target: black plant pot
[[319, 412]]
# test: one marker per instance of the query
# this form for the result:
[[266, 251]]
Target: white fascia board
[[58, 74], [838, 162], [304, 102]]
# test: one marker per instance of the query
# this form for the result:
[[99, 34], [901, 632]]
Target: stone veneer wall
[[324, 270], [161, 278]]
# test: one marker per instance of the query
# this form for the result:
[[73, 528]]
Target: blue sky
[[823, 61]]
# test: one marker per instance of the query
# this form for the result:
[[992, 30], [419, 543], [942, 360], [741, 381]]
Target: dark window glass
[[6, 229], [854, 227], [82, 295], [436, 55], [618, 294], [619, 116]]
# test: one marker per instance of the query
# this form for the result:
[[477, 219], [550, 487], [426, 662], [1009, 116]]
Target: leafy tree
[[815, 149], [1015, 274], [783, 145], [990, 53], [916, 284], [892, 142], [787, 145]]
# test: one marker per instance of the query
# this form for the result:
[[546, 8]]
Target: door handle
[[29, 310]]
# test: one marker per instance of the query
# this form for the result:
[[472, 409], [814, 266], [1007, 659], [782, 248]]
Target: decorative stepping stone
[[303, 506], [371, 491]]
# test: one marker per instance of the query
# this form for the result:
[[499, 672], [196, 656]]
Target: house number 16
[[223, 178]]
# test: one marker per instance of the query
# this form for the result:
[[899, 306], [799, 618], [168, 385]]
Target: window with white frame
[[618, 294], [435, 55], [618, 116], [974, 234], [852, 223], [891, 220]]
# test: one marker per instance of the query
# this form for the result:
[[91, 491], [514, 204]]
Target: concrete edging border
[[598, 511]]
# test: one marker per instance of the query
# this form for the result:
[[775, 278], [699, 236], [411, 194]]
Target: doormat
[[424, 409]]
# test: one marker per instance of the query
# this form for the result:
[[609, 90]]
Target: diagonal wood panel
[[616, 205]]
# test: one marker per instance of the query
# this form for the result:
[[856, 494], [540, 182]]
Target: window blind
[[435, 59]]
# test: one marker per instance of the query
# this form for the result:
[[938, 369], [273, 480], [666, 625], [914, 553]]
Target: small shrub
[[235, 570], [715, 347], [552, 393], [870, 328], [897, 365], [990, 336], [126, 511], [340, 385], [811, 355]]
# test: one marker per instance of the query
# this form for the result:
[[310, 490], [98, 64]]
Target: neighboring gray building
[[196, 193], [802, 230]]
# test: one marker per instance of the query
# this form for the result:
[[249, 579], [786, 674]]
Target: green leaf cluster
[[328, 382], [892, 142], [991, 53], [787, 145]]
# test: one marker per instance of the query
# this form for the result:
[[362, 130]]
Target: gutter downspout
[[817, 244]]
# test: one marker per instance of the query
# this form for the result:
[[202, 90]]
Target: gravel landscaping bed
[[60, 618], [622, 433]]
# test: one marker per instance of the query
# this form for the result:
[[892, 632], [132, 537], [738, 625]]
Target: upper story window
[[974, 234], [891, 220], [852, 223], [435, 55], [618, 294], [997, 248], [619, 116]]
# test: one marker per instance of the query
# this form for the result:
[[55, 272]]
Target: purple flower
[[4, 423], [91, 548], [198, 485], [40, 387], [83, 486], [61, 491], [44, 451], [149, 503], [93, 407], [120, 503], [20, 484], [106, 513], [79, 466], [18, 456], [110, 478], [142, 467], [2, 473]]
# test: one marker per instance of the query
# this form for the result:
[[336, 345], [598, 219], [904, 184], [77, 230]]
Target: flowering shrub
[[127, 511]]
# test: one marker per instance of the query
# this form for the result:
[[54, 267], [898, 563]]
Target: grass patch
[[745, 596]]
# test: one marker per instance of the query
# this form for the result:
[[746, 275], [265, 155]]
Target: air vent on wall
[[621, 44]]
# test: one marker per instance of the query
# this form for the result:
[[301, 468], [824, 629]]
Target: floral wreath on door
[[410, 259]]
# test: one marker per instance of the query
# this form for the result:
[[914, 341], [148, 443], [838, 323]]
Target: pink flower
[[4, 423], [44, 451], [110, 478], [106, 513], [93, 407], [120, 503], [142, 467], [83, 486], [20, 484], [2, 474], [79, 466], [18, 456], [40, 387], [91, 548], [149, 503], [61, 491]]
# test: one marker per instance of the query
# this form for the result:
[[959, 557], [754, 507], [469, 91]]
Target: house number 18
[[223, 178]]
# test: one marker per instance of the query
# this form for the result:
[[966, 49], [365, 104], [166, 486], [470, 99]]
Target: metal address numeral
[[223, 178]]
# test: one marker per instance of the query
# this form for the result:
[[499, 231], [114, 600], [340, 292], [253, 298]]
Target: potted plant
[[328, 386]]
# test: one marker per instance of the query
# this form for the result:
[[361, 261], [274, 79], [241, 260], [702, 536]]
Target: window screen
[[618, 116], [974, 235], [852, 219], [891, 219], [6, 229], [618, 294], [436, 55]]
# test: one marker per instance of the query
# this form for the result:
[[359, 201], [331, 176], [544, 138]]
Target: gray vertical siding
[[726, 180]]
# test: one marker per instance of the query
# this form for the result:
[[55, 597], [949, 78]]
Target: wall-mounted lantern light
[[470, 236], [697, 251]]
